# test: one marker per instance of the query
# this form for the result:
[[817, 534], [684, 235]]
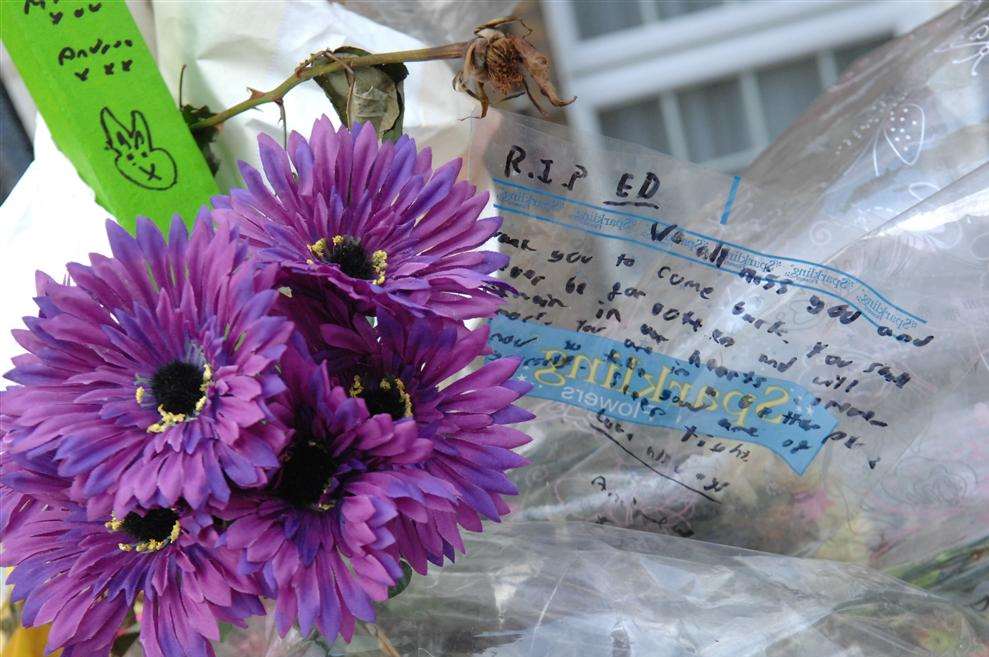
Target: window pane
[[641, 123], [674, 8], [846, 56], [787, 91], [714, 120], [596, 17]]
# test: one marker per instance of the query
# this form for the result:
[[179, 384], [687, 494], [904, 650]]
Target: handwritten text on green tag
[[100, 92]]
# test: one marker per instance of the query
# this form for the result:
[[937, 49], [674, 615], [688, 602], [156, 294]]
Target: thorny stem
[[450, 51]]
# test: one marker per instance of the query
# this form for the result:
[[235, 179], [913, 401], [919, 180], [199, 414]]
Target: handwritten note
[[690, 361], [99, 90]]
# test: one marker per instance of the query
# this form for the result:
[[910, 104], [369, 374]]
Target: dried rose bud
[[507, 63]]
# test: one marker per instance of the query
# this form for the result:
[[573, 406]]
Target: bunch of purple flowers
[[266, 407]]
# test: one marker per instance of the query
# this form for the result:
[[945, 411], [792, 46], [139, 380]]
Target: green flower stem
[[451, 51], [384, 644]]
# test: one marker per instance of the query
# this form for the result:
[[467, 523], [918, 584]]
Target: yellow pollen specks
[[171, 419], [151, 545], [325, 507], [167, 420], [379, 262], [319, 249], [357, 387], [406, 399], [322, 249], [114, 524], [139, 394]]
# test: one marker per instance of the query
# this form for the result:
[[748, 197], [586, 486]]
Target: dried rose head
[[507, 63]]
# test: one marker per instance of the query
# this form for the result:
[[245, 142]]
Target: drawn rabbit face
[[136, 157]]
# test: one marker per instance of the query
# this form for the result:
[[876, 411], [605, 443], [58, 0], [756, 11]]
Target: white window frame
[[657, 58]]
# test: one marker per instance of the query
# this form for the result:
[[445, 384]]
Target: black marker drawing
[[33, 3], [137, 159], [637, 204]]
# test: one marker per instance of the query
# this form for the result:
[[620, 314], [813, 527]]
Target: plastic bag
[[754, 363], [538, 589], [574, 588], [928, 519]]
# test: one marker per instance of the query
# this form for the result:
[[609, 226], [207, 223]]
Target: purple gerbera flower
[[148, 379], [320, 536], [370, 219], [399, 367], [83, 577]]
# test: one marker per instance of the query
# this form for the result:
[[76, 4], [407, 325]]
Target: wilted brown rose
[[507, 63]]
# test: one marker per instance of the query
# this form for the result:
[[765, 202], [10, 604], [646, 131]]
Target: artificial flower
[[320, 536], [84, 576], [147, 380], [371, 220], [401, 367]]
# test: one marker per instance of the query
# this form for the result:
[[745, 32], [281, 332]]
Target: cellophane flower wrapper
[[556, 589], [841, 281]]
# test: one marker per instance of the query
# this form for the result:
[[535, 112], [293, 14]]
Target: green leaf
[[373, 94], [226, 630], [204, 137], [403, 583]]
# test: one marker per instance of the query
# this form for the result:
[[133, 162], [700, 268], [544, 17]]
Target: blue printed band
[[686, 244], [623, 383]]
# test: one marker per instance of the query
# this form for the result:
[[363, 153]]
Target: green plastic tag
[[108, 109]]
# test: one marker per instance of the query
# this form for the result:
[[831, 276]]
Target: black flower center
[[155, 525], [177, 387], [305, 473], [352, 258], [387, 396]]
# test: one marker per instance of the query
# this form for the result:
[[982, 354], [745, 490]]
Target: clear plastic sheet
[[793, 360], [927, 521], [539, 589], [532, 588]]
